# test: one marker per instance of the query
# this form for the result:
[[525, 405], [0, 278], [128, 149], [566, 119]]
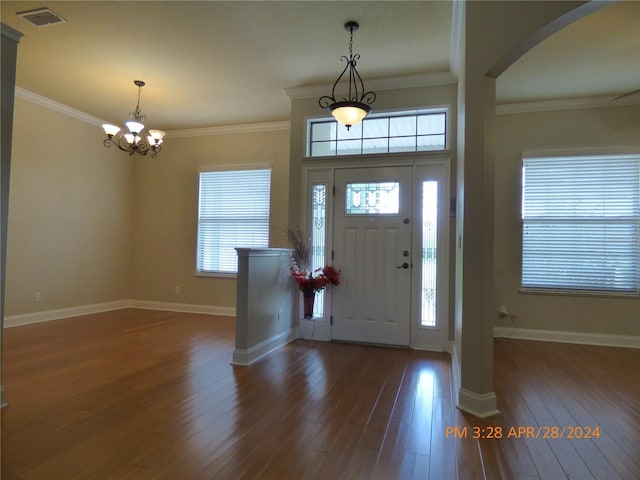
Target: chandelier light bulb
[[131, 138], [157, 136], [348, 114], [135, 127], [110, 130]]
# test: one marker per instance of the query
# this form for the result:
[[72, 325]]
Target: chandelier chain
[[137, 115], [352, 62], [351, 42]]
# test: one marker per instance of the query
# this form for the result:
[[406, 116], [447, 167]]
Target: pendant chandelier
[[132, 139], [352, 109]]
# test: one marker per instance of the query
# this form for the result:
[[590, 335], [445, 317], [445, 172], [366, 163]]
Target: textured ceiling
[[211, 63]]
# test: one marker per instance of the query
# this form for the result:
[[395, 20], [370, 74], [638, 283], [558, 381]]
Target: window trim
[[577, 292], [223, 168], [435, 109]]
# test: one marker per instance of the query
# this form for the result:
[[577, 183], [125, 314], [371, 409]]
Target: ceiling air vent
[[41, 17]]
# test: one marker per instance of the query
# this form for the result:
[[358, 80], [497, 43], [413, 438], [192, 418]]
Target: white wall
[[165, 202], [69, 234], [554, 130], [91, 226]]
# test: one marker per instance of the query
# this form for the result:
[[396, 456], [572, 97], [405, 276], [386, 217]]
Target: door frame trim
[[322, 170]]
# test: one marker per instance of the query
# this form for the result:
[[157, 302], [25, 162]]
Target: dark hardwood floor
[[593, 392], [138, 394]]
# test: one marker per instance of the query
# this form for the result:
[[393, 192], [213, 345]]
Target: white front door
[[390, 239], [372, 246]]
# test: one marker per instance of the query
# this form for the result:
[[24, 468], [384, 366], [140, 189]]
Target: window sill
[[216, 275], [579, 293]]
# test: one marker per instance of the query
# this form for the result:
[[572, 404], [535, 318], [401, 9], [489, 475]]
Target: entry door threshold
[[371, 344]]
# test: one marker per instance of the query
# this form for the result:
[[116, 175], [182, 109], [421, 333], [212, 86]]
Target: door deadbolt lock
[[406, 221], [405, 253]]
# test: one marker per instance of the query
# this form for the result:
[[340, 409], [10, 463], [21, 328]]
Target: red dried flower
[[316, 281]]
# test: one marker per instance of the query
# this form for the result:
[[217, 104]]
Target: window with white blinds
[[581, 222], [233, 211]]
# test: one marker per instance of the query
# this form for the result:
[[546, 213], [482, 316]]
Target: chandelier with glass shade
[[132, 139], [353, 108]]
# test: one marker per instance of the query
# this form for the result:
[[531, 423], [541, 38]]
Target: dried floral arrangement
[[300, 265]]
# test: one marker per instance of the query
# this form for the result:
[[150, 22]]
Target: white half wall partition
[[266, 303]]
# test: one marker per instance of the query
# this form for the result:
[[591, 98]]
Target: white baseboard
[[318, 330], [48, 315], [479, 405], [455, 368], [245, 357], [600, 339], [183, 307], [426, 348], [450, 346]]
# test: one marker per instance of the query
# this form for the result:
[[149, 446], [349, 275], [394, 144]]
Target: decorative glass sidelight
[[376, 198], [429, 252], [318, 235]]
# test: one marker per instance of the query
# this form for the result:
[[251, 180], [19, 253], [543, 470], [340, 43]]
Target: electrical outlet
[[503, 311], [177, 290], [38, 296]]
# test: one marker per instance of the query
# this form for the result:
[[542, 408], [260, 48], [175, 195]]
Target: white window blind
[[581, 222], [233, 211]]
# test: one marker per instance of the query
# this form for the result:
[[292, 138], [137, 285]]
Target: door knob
[[405, 265]]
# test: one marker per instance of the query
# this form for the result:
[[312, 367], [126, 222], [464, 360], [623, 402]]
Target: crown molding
[[409, 81], [58, 107], [230, 129], [444, 78], [193, 132], [565, 104], [10, 33]]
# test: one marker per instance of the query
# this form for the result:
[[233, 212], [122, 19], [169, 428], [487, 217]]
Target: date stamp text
[[523, 431]]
